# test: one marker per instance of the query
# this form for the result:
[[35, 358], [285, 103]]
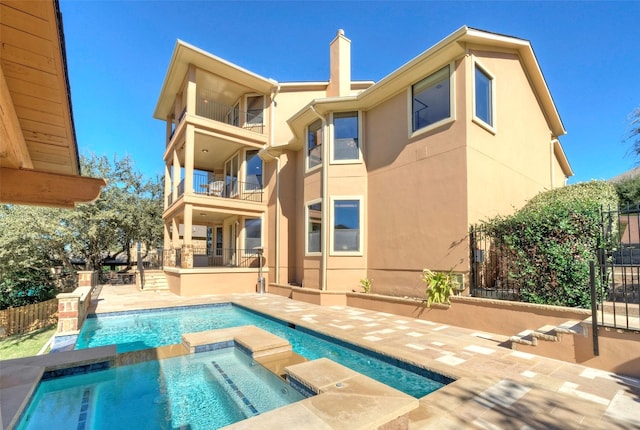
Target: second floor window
[[431, 99], [345, 136], [314, 144], [483, 96]]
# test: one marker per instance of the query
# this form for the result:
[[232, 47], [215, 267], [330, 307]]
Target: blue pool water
[[150, 329], [205, 391]]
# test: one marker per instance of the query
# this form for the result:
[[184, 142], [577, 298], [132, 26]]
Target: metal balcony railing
[[204, 257], [228, 189], [252, 120]]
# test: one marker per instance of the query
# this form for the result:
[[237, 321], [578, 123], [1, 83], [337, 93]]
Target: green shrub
[[551, 241]]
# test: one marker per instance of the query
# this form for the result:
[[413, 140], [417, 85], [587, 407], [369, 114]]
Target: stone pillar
[[187, 256], [68, 307], [87, 278]]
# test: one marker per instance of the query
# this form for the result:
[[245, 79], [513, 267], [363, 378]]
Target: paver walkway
[[496, 388]]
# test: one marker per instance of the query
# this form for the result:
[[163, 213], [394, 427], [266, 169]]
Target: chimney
[[340, 59]]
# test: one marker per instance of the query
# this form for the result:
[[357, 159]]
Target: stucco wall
[[515, 163], [417, 215], [195, 282]]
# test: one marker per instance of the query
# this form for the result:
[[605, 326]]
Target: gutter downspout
[[272, 121], [553, 143], [323, 195]]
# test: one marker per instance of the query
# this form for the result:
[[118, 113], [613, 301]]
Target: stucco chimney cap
[[340, 32]]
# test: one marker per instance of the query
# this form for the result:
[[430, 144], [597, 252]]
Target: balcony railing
[[203, 257], [252, 120], [230, 189]]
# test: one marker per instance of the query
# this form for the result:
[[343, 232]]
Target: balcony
[[203, 257], [232, 115], [229, 189]]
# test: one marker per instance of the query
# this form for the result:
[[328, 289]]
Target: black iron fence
[[494, 273], [231, 189]]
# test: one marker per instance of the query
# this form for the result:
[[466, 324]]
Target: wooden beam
[[30, 187], [13, 148]]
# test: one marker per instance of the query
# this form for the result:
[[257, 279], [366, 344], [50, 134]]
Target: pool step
[[276, 363]]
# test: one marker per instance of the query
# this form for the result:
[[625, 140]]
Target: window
[[218, 241], [255, 109], [483, 96], [253, 173], [346, 226], [431, 99], [345, 136], [314, 144], [314, 227], [252, 234]]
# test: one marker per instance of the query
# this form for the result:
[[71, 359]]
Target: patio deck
[[496, 387]]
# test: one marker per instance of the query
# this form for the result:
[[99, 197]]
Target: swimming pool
[[197, 391], [148, 329]]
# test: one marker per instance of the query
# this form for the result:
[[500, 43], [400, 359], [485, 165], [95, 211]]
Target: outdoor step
[[523, 338], [547, 332], [570, 327]]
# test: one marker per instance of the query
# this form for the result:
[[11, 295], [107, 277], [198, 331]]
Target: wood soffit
[[36, 122]]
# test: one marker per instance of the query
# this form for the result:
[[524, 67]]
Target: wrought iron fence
[[494, 273]]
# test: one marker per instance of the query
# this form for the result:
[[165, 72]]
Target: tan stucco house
[[341, 180]]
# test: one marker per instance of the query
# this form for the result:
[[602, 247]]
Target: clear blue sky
[[118, 53]]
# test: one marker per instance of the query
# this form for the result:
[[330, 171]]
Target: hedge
[[551, 240]]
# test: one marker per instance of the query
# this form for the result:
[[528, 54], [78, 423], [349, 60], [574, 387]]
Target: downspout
[[272, 121], [553, 143], [323, 195]]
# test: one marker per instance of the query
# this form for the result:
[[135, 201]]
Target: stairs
[[155, 280], [548, 333]]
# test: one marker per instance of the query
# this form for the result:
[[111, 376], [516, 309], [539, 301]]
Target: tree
[[633, 135], [129, 210], [33, 239]]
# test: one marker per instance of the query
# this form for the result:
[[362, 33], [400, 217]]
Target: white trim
[[452, 103], [306, 229], [360, 252], [332, 139], [491, 128]]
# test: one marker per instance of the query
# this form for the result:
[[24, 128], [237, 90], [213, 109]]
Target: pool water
[[149, 329], [198, 391]]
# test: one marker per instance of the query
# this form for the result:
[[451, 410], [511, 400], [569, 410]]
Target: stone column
[[187, 256], [68, 315]]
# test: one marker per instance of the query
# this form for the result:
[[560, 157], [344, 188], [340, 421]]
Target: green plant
[[440, 286], [550, 241], [366, 284]]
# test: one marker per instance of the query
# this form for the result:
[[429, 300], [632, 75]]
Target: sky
[[118, 53]]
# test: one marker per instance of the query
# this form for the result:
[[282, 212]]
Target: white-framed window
[[314, 144], [346, 138], [313, 229], [432, 100], [346, 225], [484, 91]]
